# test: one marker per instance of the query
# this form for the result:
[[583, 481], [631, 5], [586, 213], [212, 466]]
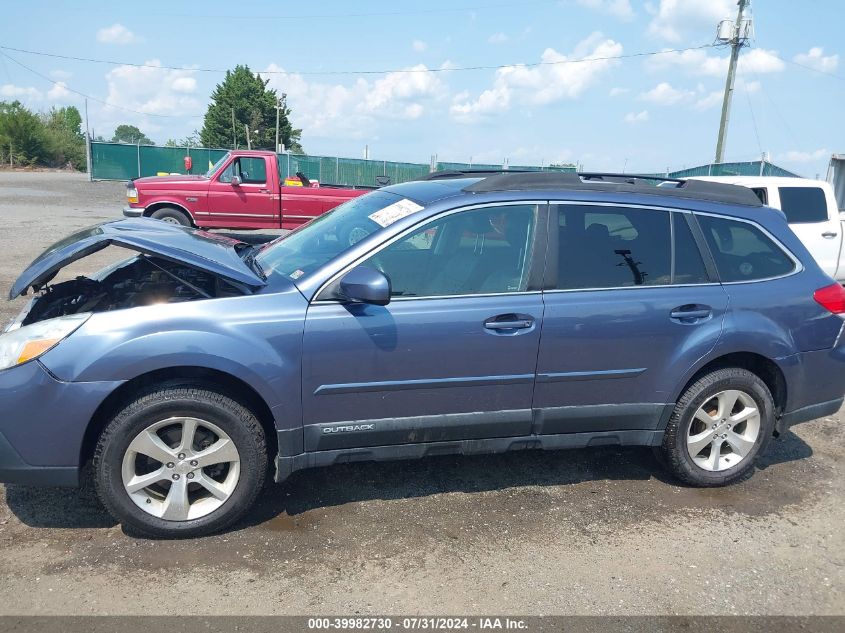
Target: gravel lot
[[591, 532]]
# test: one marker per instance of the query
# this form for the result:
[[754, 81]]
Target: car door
[[812, 216], [249, 203], [630, 306], [452, 356]]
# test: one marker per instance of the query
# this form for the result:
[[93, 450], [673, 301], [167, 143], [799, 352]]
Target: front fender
[[256, 339]]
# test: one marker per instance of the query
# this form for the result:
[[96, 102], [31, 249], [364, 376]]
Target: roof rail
[[616, 183], [447, 174]]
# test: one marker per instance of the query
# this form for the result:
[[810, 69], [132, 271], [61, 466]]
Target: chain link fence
[[121, 161]]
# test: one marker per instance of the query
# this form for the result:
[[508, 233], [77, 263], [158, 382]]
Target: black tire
[[172, 215], [236, 421], [675, 455]]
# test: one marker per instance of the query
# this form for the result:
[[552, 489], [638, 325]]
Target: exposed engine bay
[[141, 281]]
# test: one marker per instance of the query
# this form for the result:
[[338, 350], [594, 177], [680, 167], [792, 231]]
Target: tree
[[67, 119], [130, 134], [64, 140], [254, 106], [192, 140], [22, 137]]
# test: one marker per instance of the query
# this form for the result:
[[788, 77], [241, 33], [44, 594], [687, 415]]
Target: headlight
[[28, 342], [132, 195]]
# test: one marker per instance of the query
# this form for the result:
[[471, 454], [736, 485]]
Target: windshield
[[217, 165], [308, 248]]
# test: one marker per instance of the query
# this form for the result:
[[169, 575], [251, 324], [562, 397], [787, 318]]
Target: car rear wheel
[[719, 427], [172, 216], [180, 462]]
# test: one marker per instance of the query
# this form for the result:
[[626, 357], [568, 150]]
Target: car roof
[[440, 186]]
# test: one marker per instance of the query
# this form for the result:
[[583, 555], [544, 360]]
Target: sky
[[345, 69]]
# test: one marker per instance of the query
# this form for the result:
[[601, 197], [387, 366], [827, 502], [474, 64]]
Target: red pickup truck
[[244, 190]]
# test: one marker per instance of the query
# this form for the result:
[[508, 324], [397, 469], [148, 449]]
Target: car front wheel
[[171, 216], [719, 427], [180, 462]]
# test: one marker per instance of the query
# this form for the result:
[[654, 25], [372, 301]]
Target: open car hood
[[216, 254]]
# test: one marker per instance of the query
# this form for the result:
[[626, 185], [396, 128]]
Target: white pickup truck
[[811, 210]]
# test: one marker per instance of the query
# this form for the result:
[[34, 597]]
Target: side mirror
[[236, 181], [363, 284]]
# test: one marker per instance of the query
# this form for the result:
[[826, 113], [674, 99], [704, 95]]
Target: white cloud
[[498, 38], [184, 84], [759, 60], [60, 93], [636, 117], [20, 92], [117, 34], [615, 92], [153, 90], [419, 46], [664, 94], [672, 19], [715, 98], [617, 8], [797, 156], [29, 95], [698, 62], [710, 100], [554, 80], [816, 59], [353, 111], [61, 74]]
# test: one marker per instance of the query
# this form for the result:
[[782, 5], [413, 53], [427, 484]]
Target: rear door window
[[742, 251], [613, 247], [803, 205]]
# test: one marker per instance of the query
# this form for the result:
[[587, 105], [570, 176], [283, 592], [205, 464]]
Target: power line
[[815, 70], [753, 118], [367, 72], [87, 96]]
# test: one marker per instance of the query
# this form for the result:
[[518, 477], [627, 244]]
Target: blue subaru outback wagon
[[474, 313]]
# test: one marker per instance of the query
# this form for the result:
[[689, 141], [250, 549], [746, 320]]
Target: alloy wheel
[[181, 468], [723, 431]]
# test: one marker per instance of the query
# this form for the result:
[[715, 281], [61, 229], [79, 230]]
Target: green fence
[[120, 161], [749, 168]]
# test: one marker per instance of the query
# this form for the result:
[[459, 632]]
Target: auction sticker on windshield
[[394, 212]]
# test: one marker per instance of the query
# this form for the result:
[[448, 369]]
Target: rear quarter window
[[803, 205], [742, 251]]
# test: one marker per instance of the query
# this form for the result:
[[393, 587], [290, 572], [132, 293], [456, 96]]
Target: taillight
[[832, 298]]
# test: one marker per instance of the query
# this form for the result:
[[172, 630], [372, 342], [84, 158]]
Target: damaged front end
[[140, 281], [174, 264]]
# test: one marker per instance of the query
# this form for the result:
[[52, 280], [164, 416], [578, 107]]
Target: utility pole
[[738, 38], [248, 141], [87, 145], [234, 134], [279, 105]]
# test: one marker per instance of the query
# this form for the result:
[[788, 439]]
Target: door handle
[[263, 191], [509, 322], [508, 325], [691, 313], [829, 234]]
